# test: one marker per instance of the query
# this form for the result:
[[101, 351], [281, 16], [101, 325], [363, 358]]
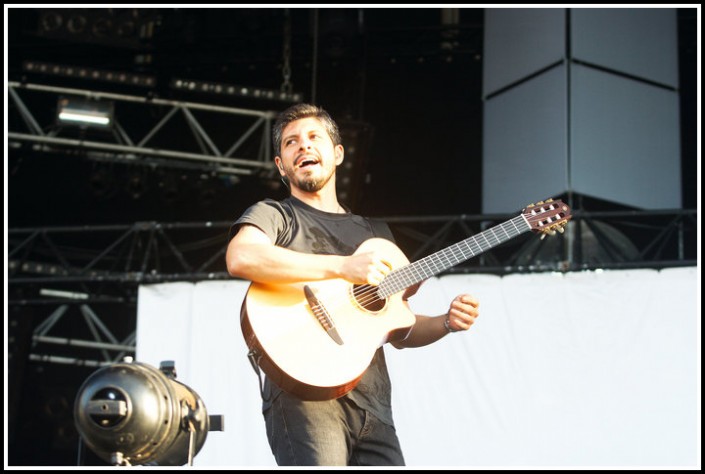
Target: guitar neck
[[433, 264]]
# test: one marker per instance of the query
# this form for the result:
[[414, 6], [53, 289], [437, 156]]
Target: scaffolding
[[146, 130], [93, 273]]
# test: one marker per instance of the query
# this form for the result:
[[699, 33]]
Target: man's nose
[[305, 144]]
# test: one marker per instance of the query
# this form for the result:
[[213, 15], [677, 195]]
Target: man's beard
[[311, 184]]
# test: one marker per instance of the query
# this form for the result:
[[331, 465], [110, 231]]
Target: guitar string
[[435, 263], [400, 279], [404, 277], [367, 294]]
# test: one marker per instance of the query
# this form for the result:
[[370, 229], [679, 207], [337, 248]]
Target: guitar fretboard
[[433, 264]]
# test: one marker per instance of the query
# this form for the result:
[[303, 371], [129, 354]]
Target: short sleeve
[[270, 216]]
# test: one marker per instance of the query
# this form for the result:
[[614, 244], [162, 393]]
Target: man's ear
[[339, 154], [278, 162]]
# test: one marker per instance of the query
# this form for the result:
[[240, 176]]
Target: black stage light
[[130, 413]]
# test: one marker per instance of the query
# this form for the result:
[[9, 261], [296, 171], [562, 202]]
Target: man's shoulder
[[381, 228], [269, 203]]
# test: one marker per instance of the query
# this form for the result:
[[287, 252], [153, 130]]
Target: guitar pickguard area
[[366, 298]]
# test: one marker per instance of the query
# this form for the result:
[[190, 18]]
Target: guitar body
[[292, 346]]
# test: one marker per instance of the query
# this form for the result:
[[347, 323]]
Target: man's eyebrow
[[312, 130]]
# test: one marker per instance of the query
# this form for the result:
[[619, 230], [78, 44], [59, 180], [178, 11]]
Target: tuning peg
[[549, 200], [561, 229], [539, 203]]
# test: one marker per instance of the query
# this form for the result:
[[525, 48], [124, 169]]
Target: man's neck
[[323, 200]]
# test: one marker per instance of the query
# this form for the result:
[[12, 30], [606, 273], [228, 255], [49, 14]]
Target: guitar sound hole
[[367, 298]]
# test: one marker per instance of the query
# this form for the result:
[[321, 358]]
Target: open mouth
[[306, 161]]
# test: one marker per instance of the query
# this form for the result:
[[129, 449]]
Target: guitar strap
[[254, 357], [380, 229]]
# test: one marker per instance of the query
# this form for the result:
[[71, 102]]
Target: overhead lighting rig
[[219, 88], [116, 27], [79, 72]]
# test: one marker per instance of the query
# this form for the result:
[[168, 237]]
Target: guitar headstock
[[547, 216]]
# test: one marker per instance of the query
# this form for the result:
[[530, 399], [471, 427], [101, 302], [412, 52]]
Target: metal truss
[[82, 282], [592, 240], [61, 273], [146, 130]]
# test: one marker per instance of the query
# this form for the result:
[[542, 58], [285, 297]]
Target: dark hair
[[298, 112]]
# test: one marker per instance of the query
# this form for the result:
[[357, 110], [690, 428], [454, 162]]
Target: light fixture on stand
[[130, 413]]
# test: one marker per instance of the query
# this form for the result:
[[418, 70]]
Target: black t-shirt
[[295, 225]]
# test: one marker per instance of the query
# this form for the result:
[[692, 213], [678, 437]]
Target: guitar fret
[[514, 226], [488, 242], [505, 231]]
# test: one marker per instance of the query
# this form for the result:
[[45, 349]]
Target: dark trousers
[[329, 433]]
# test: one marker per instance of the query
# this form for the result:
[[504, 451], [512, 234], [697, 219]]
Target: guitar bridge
[[322, 315]]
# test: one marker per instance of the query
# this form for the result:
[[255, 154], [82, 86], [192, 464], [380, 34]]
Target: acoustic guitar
[[315, 339]]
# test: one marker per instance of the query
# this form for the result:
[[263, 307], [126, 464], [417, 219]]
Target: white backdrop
[[579, 369]]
